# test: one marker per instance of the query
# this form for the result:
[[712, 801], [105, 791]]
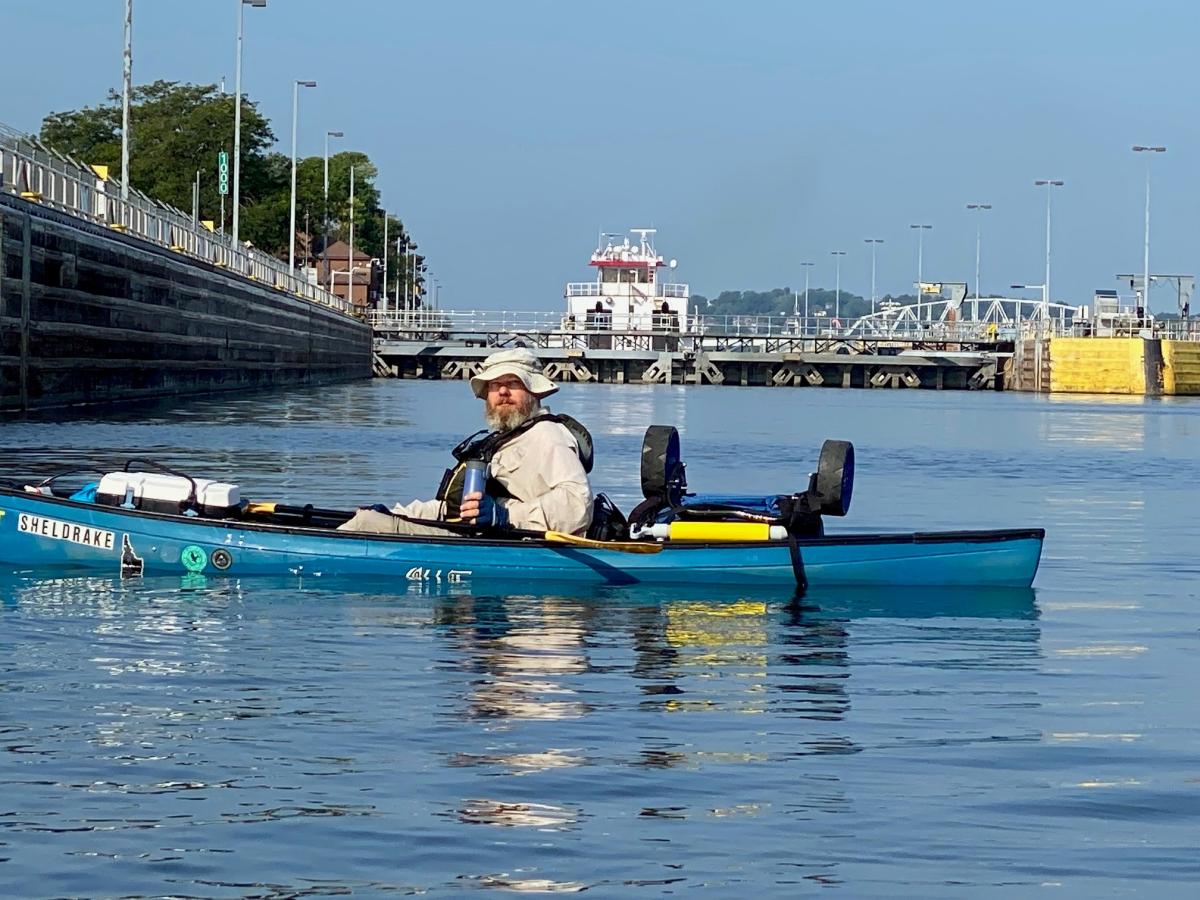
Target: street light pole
[[874, 242], [402, 267], [837, 296], [127, 88], [296, 85], [325, 214], [1146, 256], [921, 229], [350, 263], [1047, 183], [979, 208], [237, 114], [807, 271]]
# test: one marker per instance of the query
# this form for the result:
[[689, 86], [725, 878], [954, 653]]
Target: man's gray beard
[[508, 419]]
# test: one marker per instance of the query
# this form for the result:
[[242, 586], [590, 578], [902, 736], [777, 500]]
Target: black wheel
[[660, 460], [835, 477]]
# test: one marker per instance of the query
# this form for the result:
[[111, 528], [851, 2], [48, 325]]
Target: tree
[[177, 130], [781, 302]]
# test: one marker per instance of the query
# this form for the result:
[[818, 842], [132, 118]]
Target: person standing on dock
[[537, 473]]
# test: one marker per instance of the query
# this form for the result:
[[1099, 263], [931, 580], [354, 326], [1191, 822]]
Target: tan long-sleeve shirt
[[541, 469]]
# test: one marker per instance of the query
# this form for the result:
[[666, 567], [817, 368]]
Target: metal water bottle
[[475, 477]]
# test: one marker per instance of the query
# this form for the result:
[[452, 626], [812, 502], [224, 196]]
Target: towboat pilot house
[[633, 291]]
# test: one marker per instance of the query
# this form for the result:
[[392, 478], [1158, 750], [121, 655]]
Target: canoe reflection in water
[[537, 657]]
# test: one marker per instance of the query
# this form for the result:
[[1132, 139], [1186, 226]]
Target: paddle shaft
[[555, 537]]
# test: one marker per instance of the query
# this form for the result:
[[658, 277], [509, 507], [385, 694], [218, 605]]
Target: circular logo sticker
[[194, 558], [222, 559]]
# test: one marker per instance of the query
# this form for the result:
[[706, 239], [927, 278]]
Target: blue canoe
[[39, 531]]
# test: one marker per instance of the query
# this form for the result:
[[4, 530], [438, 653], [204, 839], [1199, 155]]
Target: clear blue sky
[[753, 135]]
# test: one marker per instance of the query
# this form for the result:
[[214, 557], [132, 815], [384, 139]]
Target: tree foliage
[[785, 300], [177, 130]]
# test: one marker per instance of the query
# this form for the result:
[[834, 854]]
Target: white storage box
[[157, 492]]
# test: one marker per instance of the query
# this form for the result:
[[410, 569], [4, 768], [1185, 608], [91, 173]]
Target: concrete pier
[[914, 369]]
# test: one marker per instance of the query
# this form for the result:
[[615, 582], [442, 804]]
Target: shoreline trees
[[177, 130]]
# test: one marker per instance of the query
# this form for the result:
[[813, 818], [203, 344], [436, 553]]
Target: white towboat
[[633, 290]]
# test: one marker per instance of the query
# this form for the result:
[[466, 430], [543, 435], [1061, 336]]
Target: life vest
[[485, 444]]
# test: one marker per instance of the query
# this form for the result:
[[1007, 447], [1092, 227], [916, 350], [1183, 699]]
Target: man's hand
[[468, 511], [478, 509]]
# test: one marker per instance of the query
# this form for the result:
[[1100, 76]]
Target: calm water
[[275, 739]]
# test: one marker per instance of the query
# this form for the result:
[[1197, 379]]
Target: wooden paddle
[[268, 508], [559, 537]]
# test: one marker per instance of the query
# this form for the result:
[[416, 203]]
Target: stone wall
[[89, 315]]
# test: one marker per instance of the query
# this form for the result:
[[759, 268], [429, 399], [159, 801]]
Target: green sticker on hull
[[194, 558]]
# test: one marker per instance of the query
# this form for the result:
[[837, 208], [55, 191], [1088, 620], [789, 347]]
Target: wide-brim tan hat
[[520, 362]]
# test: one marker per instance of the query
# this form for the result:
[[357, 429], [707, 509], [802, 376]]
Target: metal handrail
[[662, 290], [36, 172], [749, 327]]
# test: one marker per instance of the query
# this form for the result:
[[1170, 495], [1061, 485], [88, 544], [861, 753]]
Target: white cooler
[[157, 492]]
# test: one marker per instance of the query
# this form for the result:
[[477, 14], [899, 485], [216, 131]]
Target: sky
[[753, 135]]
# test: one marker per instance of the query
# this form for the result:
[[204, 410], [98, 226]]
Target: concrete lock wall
[[1140, 366], [88, 315], [1181, 367], [1098, 365]]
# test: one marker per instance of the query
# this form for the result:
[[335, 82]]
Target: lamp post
[[350, 262], [237, 114], [807, 271], [874, 242], [325, 214], [416, 295], [1047, 183], [296, 85], [837, 295], [979, 208], [399, 271], [127, 87], [921, 229], [1146, 256], [385, 260]]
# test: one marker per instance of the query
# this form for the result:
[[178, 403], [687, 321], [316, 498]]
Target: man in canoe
[[537, 463]]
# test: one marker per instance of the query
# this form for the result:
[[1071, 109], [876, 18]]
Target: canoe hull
[[42, 532]]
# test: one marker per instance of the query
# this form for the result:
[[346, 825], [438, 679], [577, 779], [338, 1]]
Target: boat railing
[[595, 289], [35, 172], [583, 289]]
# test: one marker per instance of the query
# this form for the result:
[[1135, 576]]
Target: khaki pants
[[381, 523]]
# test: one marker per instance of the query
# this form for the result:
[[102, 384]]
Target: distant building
[[333, 271]]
